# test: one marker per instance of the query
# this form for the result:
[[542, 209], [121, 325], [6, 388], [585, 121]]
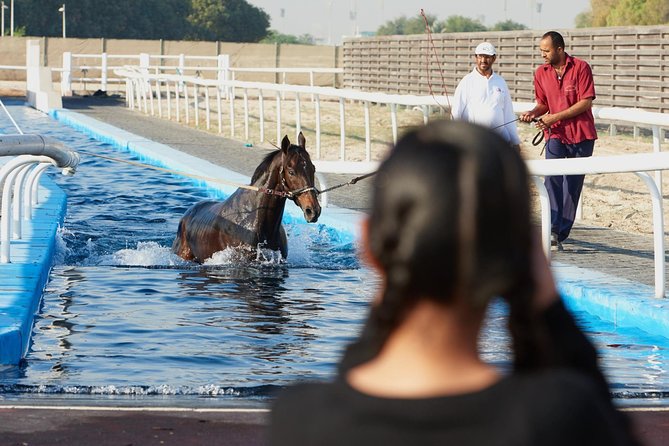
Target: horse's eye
[[291, 172]]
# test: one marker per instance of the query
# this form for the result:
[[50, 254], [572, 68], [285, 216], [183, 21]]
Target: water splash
[[309, 246], [145, 254], [319, 246]]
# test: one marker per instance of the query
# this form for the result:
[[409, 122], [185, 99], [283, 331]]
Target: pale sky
[[329, 20]]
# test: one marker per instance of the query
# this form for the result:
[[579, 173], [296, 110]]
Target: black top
[[567, 404]]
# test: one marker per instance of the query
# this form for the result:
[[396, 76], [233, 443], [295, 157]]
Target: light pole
[[3, 18], [62, 9], [11, 18]]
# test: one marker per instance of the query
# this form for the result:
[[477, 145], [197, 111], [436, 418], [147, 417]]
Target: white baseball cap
[[485, 48]]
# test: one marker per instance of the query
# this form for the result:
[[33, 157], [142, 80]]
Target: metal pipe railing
[[639, 164], [656, 161], [656, 121], [19, 177]]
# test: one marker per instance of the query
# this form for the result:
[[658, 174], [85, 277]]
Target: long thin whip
[[430, 43]]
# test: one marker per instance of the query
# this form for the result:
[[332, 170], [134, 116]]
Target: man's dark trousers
[[565, 190]]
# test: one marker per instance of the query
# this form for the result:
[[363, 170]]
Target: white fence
[[183, 95], [74, 71], [638, 164], [184, 92]]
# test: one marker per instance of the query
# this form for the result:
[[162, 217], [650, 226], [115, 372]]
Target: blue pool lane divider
[[625, 303], [23, 280]]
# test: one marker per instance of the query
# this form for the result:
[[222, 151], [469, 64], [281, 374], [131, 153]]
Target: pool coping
[[620, 301]]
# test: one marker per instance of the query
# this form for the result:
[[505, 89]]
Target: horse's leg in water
[[283, 243], [181, 247]]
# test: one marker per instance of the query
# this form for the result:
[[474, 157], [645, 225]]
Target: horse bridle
[[291, 195]]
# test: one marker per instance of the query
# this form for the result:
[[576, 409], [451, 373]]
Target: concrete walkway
[[612, 252]]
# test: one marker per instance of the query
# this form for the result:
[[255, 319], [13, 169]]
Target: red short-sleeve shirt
[[561, 93]]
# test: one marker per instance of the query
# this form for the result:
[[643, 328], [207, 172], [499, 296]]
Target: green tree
[[629, 12], [130, 19], [638, 12], [507, 25], [600, 11], [227, 20], [404, 25], [459, 24], [583, 19], [277, 37]]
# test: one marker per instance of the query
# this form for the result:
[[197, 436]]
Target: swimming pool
[[124, 319]]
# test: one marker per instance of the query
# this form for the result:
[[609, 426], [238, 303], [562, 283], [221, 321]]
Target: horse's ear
[[301, 141], [285, 143]]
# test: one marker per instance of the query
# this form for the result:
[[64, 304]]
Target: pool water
[[122, 317]]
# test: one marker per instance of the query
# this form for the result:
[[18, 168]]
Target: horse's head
[[297, 172]]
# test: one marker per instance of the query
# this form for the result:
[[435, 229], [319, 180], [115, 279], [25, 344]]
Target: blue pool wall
[[23, 280], [625, 303]]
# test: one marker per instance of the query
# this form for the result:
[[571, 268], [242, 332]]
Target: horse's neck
[[269, 207], [270, 179]]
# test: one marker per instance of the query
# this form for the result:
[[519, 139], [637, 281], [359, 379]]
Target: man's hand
[[533, 114], [546, 121], [526, 117]]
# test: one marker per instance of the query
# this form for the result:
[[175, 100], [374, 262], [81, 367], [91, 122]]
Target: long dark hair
[[451, 217]]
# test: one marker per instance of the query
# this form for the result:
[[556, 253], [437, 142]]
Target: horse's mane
[[267, 161], [264, 165]]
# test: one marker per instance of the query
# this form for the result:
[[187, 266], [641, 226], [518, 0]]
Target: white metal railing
[[143, 90], [13, 67], [638, 164], [180, 64], [19, 179]]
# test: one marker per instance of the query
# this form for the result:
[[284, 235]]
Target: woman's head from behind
[[450, 219]]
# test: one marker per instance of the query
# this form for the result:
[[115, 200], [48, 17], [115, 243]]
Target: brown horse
[[252, 218]]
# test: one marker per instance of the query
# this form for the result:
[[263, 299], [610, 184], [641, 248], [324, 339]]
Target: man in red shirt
[[564, 91]]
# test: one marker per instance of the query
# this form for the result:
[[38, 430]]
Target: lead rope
[[348, 183]]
